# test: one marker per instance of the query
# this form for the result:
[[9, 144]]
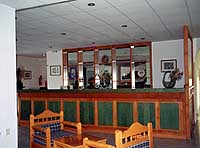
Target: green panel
[[25, 110], [87, 112], [70, 111], [169, 116], [124, 114], [39, 107], [105, 115], [54, 106], [146, 113]]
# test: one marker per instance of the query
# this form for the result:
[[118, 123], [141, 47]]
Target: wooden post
[[61, 105], [78, 110], [48, 138], [157, 108], [135, 112], [31, 129], [46, 104], [19, 110], [61, 119], [96, 113], [114, 114], [118, 139], [150, 59], [150, 134], [186, 71]]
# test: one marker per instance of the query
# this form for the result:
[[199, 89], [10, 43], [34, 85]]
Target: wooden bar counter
[[105, 110]]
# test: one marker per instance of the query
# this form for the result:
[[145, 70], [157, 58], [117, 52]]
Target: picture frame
[[55, 70], [168, 65], [27, 75]]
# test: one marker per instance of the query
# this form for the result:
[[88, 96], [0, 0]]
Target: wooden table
[[75, 141]]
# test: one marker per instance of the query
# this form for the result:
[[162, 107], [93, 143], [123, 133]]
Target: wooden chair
[[48, 125], [136, 136]]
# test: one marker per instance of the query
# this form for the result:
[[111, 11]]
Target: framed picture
[[168, 65], [55, 70], [27, 75]]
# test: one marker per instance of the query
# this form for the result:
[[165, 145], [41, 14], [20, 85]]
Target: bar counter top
[[103, 90]]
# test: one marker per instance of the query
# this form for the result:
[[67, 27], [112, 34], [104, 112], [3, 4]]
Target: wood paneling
[[39, 107], [110, 110], [105, 113], [54, 106], [169, 116], [124, 114], [25, 109], [87, 112], [146, 113], [70, 111]]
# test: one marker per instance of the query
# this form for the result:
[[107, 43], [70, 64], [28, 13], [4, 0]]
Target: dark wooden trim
[[150, 59], [108, 96], [186, 71], [148, 43]]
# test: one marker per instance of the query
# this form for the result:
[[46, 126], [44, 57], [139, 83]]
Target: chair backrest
[[135, 136], [47, 117], [94, 144]]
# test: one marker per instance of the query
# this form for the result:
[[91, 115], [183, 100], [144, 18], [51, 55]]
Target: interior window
[[141, 60], [88, 69], [72, 70], [123, 68]]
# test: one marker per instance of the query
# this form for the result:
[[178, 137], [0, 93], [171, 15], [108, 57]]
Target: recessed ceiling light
[[124, 25], [43, 55], [91, 4], [63, 33]]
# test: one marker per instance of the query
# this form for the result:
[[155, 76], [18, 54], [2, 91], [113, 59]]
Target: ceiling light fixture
[[91, 4], [43, 55], [63, 33], [124, 25]]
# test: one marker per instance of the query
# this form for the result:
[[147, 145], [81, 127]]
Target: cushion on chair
[[54, 135], [144, 144], [53, 126]]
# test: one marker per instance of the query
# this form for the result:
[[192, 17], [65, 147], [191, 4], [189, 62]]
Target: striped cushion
[[53, 127], [54, 135]]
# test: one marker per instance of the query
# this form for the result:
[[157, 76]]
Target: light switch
[[7, 131]]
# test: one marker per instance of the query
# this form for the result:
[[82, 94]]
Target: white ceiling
[[39, 28]]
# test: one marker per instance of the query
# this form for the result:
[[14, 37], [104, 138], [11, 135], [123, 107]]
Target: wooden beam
[[186, 71]]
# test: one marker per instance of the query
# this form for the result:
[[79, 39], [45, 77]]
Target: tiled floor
[[23, 138]]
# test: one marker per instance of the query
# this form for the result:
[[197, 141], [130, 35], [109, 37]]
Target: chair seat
[[54, 135]]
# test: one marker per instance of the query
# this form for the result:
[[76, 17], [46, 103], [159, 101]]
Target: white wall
[[54, 58], [37, 66], [165, 50], [8, 104], [196, 56]]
